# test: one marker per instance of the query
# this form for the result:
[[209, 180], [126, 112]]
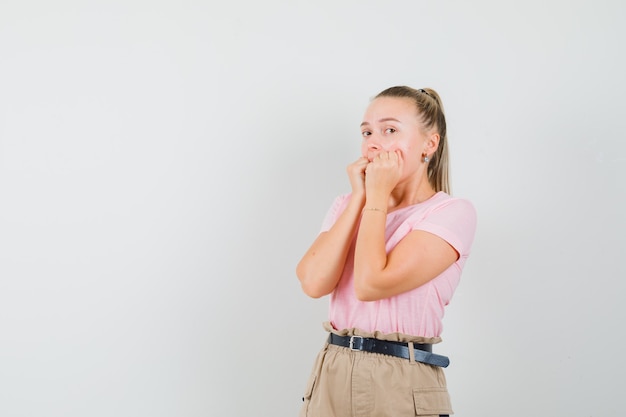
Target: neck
[[410, 192]]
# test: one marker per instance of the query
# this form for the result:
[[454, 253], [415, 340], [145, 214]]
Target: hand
[[383, 173], [356, 174]]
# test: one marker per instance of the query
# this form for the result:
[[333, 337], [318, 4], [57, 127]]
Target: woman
[[390, 253]]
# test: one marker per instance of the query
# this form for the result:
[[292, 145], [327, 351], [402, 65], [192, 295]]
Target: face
[[392, 124]]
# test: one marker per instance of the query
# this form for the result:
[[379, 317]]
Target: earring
[[425, 158]]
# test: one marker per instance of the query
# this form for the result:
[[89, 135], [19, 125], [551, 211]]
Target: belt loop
[[412, 353]]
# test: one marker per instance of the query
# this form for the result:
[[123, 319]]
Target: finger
[[400, 159]]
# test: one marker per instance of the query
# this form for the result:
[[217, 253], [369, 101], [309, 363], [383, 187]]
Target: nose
[[376, 142], [372, 149], [374, 146]]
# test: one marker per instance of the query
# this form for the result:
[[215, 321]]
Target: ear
[[432, 143]]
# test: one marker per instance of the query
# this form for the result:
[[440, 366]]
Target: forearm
[[321, 267], [370, 257]]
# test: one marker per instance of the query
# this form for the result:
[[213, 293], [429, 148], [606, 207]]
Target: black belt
[[423, 352]]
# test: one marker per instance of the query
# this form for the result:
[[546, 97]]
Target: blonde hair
[[430, 111]]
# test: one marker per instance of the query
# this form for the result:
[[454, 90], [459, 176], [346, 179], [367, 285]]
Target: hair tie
[[421, 90]]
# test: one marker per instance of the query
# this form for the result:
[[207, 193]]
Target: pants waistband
[[422, 352]]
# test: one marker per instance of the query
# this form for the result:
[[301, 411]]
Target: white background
[[164, 165]]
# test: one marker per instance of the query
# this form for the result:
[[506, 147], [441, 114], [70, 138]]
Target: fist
[[356, 174], [383, 173]]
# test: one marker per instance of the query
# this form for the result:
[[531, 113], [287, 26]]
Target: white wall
[[164, 165]]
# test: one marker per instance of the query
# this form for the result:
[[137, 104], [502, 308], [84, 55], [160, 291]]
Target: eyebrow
[[383, 120]]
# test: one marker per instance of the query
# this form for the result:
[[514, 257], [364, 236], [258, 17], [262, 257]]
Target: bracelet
[[374, 209]]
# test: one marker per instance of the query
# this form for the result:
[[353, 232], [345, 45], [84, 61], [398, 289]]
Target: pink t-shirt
[[417, 312]]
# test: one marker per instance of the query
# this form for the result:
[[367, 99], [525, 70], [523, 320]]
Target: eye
[[390, 130], [366, 133]]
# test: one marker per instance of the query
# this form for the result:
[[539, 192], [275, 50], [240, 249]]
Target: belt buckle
[[352, 343]]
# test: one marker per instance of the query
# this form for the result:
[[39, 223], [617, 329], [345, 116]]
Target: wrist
[[357, 198], [355, 205], [376, 201], [368, 208]]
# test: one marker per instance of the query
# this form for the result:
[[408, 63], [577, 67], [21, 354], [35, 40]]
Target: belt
[[423, 352]]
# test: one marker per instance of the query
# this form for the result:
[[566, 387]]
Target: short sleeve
[[339, 204], [454, 221]]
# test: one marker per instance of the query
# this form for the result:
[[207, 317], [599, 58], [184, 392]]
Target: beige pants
[[346, 383]]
